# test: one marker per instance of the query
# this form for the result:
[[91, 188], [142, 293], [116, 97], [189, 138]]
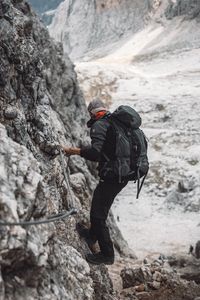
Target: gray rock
[[41, 106], [157, 276], [100, 24], [189, 8], [132, 277], [162, 285], [10, 112], [186, 186], [102, 283], [44, 7], [154, 285], [187, 189], [145, 261]]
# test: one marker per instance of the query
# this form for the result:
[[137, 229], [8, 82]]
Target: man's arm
[[98, 136], [71, 150], [88, 152]]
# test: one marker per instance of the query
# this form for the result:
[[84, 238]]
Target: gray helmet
[[96, 105]]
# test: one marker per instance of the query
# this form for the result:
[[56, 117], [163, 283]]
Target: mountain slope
[[157, 72], [95, 25], [45, 8], [41, 106]]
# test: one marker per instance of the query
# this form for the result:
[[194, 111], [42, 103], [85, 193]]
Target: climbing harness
[[54, 217]]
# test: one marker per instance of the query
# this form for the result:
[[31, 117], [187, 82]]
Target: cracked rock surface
[[41, 106]]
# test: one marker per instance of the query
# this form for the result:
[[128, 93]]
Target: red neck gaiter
[[100, 114]]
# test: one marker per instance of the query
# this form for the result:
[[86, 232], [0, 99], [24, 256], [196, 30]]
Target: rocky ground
[[160, 278]]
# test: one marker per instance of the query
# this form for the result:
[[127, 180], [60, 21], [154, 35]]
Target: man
[[101, 150]]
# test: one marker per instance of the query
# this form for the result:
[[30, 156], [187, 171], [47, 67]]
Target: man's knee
[[97, 222]]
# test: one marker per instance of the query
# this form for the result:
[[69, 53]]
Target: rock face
[[45, 8], [84, 26], [190, 8], [41, 106], [45, 5], [96, 28]]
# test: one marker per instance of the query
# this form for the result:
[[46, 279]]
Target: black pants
[[102, 200]]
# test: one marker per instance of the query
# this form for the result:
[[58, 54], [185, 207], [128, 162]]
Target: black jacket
[[102, 143]]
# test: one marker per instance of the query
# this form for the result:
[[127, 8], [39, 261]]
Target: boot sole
[[99, 263]]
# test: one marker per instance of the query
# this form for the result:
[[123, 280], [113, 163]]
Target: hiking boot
[[84, 233], [99, 258]]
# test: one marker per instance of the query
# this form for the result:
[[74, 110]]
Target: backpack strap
[[139, 186]]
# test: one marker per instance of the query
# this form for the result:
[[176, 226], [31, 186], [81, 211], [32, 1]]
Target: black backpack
[[130, 161]]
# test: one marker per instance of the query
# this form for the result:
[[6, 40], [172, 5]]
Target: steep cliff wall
[[45, 9], [96, 28], [83, 26], [40, 106], [189, 8], [44, 5]]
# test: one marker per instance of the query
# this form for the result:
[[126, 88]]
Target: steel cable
[[49, 219]]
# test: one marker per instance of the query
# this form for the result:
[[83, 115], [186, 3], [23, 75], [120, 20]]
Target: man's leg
[[103, 236], [84, 232], [103, 198]]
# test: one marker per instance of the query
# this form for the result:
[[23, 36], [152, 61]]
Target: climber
[[106, 190]]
